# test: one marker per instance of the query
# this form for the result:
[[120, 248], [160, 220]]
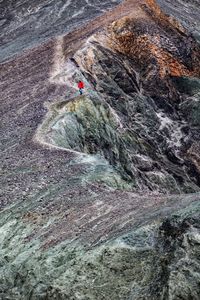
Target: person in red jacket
[[81, 87]]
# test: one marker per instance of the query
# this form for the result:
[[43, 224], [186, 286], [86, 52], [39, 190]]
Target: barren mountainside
[[100, 192]]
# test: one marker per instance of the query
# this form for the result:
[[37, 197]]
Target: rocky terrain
[[100, 193], [25, 23]]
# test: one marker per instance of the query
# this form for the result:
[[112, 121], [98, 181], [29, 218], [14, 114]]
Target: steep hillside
[[25, 24], [100, 193]]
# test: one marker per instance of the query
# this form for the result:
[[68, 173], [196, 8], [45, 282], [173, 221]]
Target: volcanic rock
[[100, 192]]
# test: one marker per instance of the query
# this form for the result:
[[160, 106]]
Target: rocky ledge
[[101, 192]]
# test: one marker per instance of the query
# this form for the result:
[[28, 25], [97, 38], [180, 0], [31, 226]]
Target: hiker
[[81, 87]]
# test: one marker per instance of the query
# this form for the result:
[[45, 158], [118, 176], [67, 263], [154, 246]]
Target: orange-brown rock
[[137, 39], [157, 43]]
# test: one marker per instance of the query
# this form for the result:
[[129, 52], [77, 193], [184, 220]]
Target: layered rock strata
[[100, 193], [132, 113]]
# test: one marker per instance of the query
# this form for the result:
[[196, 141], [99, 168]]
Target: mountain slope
[[100, 192]]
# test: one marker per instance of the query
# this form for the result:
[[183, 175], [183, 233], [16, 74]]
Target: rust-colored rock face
[[144, 47], [153, 39]]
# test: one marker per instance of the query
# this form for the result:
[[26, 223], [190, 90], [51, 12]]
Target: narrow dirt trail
[[75, 39]]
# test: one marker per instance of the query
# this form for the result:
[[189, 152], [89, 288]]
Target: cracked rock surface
[[100, 193]]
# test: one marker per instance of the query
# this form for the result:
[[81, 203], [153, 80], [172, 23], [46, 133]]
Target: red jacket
[[81, 85]]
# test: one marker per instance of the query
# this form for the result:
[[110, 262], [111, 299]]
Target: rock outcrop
[[141, 132], [101, 192]]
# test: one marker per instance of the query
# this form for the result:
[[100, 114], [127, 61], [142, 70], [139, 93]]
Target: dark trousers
[[81, 91]]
